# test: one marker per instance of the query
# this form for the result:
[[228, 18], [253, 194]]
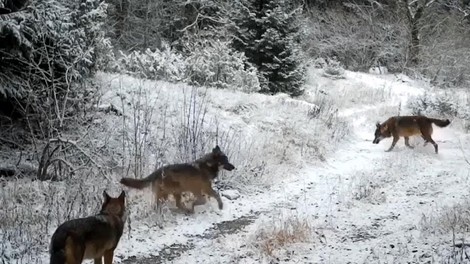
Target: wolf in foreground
[[93, 237]]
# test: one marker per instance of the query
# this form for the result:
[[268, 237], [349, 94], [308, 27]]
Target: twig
[[463, 153], [73, 143], [9, 142]]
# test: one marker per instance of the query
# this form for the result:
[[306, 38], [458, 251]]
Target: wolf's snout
[[229, 166], [376, 141]]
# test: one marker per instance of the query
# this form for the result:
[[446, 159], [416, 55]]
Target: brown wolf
[[92, 237], [175, 179], [407, 126]]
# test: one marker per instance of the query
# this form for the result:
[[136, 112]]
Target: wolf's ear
[[106, 196], [216, 149], [378, 124], [122, 195]]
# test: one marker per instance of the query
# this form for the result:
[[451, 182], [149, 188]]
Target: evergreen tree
[[266, 30], [46, 52]]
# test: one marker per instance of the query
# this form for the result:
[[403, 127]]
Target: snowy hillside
[[362, 205]]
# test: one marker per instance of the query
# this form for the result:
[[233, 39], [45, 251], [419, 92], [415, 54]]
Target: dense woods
[[50, 49]]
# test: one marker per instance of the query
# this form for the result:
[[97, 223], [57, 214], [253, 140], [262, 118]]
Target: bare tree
[[414, 10]]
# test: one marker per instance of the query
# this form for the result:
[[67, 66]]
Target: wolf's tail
[[140, 183], [65, 242], [440, 122], [57, 248], [57, 257]]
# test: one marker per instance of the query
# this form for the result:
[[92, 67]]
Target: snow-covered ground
[[362, 205]]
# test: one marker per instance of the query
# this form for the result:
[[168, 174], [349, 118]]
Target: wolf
[[195, 177], [407, 126], [93, 237]]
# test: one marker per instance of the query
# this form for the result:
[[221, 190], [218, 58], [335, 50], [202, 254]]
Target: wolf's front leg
[[394, 142], [214, 194]]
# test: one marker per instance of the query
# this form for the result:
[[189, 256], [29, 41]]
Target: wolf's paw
[[189, 212]]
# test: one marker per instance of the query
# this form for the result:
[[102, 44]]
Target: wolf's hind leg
[[180, 205], [425, 141], [407, 143], [200, 199], [108, 257], [427, 137]]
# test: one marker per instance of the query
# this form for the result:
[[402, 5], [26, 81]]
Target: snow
[[406, 185], [231, 194], [413, 184], [364, 204]]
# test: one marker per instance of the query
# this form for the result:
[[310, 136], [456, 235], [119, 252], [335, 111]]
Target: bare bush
[[161, 64], [333, 69], [210, 64], [278, 235], [454, 219], [359, 36], [364, 187], [445, 48]]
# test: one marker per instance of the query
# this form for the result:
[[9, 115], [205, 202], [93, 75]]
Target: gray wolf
[[175, 179], [407, 126], [93, 237]]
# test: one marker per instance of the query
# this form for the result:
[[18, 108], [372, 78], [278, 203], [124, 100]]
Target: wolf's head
[[218, 157], [114, 206], [381, 132]]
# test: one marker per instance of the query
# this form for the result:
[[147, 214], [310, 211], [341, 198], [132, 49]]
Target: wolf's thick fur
[[407, 126], [193, 177], [92, 237]]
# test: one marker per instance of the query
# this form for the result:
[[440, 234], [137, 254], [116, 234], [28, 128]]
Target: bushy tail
[[439, 122], [57, 257], [140, 183], [135, 183], [61, 243], [57, 248]]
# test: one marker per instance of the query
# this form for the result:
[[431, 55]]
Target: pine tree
[[266, 30]]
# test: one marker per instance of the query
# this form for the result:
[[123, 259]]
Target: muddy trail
[[173, 251]]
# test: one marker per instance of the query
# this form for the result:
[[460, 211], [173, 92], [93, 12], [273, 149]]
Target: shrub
[[157, 65], [215, 64]]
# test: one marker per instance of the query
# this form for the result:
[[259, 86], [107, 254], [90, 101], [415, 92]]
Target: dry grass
[[367, 188], [454, 219], [276, 236]]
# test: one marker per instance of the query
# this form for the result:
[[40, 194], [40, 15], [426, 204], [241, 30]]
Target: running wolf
[[407, 126], [92, 237], [195, 177]]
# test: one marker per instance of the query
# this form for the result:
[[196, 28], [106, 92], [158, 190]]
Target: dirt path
[[173, 251]]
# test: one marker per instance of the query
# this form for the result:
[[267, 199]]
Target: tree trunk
[[414, 19], [122, 15]]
